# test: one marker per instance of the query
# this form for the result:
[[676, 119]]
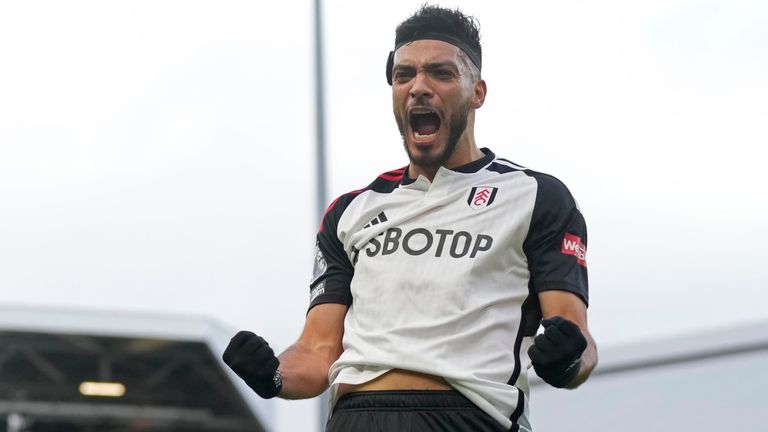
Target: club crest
[[481, 197]]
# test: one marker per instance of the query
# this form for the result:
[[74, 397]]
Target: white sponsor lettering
[[316, 291]]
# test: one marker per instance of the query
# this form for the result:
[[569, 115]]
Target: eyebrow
[[429, 66]]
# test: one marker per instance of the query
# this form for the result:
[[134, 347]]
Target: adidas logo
[[377, 220]]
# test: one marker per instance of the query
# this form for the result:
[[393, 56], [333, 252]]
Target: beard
[[457, 124]]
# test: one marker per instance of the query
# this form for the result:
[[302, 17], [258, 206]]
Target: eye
[[403, 75], [443, 74]]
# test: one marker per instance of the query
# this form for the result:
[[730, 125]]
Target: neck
[[466, 151]]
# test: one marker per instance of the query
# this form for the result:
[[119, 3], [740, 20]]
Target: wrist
[[270, 389], [565, 376]]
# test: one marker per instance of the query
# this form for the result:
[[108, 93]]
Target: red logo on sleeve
[[572, 245]]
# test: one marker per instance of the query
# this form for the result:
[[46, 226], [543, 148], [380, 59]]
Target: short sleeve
[[556, 244], [332, 274]]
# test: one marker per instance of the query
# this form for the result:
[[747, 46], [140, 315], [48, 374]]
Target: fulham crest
[[481, 197]]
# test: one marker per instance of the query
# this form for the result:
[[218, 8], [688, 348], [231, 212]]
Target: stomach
[[397, 379]]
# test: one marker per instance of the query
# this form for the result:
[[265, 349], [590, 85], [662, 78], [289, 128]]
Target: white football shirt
[[442, 277]]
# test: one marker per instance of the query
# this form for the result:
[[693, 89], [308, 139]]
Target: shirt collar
[[468, 168]]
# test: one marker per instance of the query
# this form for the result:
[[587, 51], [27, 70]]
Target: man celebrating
[[431, 282]]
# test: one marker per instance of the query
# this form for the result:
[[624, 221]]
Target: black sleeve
[[333, 272], [556, 245]]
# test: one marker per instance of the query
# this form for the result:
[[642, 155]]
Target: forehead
[[427, 51]]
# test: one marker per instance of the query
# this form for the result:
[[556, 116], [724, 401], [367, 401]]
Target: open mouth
[[425, 124]]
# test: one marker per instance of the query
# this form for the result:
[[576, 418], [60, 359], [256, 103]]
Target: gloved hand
[[251, 358], [556, 353]]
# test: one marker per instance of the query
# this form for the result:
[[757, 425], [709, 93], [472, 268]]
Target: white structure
[[709, 382]]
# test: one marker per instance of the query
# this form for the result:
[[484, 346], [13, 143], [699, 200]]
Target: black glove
[[251, 358], [556, 353]]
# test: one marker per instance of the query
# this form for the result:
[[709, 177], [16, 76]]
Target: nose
[[420, 86]]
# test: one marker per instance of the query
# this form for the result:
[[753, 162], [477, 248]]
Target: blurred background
[[158, 188]]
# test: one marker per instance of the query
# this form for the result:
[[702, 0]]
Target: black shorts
[[409, 411]]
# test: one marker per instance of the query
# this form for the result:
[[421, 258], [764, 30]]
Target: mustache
[[421, 101]]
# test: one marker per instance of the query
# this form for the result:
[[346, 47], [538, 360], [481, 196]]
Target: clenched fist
[[251, 358], [556, 353]]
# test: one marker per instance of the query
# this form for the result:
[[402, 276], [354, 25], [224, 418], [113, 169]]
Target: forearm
[[304, 371]]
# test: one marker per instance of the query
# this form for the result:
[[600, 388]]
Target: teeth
[[422, 111], [424, 137]]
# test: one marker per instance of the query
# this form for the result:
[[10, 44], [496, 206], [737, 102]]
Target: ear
[[480, 90]]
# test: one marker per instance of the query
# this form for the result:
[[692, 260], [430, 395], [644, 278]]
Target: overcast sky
[[158, 155]]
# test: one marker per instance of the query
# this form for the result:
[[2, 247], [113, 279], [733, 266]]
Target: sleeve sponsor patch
[[316, 291], [572, 245], [321, 265]]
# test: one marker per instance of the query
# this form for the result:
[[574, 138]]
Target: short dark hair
[[436, 19]]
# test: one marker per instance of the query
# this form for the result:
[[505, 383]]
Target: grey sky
[[157, 156]]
